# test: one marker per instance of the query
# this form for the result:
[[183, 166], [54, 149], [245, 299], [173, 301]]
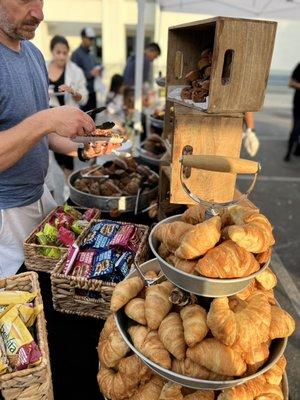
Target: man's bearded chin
[[12, 31]]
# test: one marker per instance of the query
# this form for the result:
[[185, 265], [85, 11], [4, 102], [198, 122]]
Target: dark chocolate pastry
[[199, 95], [186, 93], [193, 75]]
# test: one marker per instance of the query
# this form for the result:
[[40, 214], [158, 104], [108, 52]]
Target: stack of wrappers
[[106, 253], [18, 350], [63, 228]]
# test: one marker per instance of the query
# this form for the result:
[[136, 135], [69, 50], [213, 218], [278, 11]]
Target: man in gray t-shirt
[[27, 128]]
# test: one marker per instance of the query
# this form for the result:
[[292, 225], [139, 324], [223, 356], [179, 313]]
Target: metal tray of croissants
[[202, 343]]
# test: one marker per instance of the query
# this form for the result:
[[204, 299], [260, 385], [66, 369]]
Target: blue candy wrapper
[[101, 235], [103, 265], [122, 264]]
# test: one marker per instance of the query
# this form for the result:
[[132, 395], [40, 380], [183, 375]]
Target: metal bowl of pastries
[[123, 322], [197, 284]]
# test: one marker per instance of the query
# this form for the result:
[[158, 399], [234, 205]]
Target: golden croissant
[[247, 328], [112, 349], [171, 391], [216, 357], [135, 310], [201, 395], [149, 344], [121, 384], [157, 303], [270, 392], [188, 367], [187, 266], [109, 326], [265, 256], [247, 391], [149, 391], [194, 324], [163, 251], [198, 240], [171, 234], [266, 279], [252, 231], [256, 357], [274, 375], [282, 323], [194, 215], [227, 260], [171, 334], [125, 291]]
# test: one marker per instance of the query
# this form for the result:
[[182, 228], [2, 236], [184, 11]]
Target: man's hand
[[69, 121], [98, 149], [68, 89]]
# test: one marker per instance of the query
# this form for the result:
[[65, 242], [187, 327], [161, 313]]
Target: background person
[[88, 63], [115, 100]]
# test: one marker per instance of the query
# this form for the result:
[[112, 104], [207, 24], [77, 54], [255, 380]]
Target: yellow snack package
[[28, 313], [8, 297], [3, 358], [21, 350]]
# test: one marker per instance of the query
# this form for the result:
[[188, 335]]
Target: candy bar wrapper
[[66, 237], [122, 265], [50, 252], [135, 240], [8, 297], [62, 219], [84, 264], [4, 365], [72, 211], [89, 214], [50, 232], [103, 265], [123, 236], [101, 235], [71, 257], [28, 313], [21, 349], [79, 226], [42, 238]]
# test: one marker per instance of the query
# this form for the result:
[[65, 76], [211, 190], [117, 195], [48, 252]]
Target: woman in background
[[67, 86]]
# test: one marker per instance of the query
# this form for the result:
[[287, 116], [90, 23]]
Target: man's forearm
[[62, 145], [17, 141]]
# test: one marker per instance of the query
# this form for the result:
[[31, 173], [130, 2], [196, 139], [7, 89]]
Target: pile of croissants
[[234, 244]]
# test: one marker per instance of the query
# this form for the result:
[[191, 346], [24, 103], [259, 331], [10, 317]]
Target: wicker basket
[[36, 261], [32, 383], [65, 287]]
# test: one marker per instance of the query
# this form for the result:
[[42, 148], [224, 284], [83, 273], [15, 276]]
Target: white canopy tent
[[265, 9]]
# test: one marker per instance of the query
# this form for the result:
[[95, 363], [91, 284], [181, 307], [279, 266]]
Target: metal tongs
[[89, 173], [106, 125]]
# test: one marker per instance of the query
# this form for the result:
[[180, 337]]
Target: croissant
[[270, 392], [193, 215], [263, 257], [252, 231], [194, 324], [163, 251], [274, 375], [149, 344], [188, 367], [227, 260], [266, 279], [256, 357], [150, 391], [125, 291], [246, 391], [252, 288], [246, 328], [112, 349], [109, 326], [187, 266], [199, 239], [201, 395], [135, 310], [121, 384], [171, 234], [157, 303], [282, 323], [171, 391], [171, 334], [216, 357]]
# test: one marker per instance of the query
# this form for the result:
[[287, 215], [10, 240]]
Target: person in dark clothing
[[152, 51], [295, 133], [87, 62]]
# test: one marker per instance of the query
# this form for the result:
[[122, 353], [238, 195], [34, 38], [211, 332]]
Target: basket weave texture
[[33, 383], [65, 298], [37, 262]]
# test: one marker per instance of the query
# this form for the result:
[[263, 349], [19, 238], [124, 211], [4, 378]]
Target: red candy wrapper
[[84, 264], [65, 236], [72, 254], [123, 237], [89, 214], [135, 240], [62, 219]]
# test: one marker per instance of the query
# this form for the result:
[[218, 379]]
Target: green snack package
[[72, 211], [50, 232], [42, 238], [78, 226], [51, 253]]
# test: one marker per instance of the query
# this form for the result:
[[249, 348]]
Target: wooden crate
[[242, 52], [207, 134]]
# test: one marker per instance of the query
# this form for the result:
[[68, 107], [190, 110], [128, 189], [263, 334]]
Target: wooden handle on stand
[[221, 164]]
